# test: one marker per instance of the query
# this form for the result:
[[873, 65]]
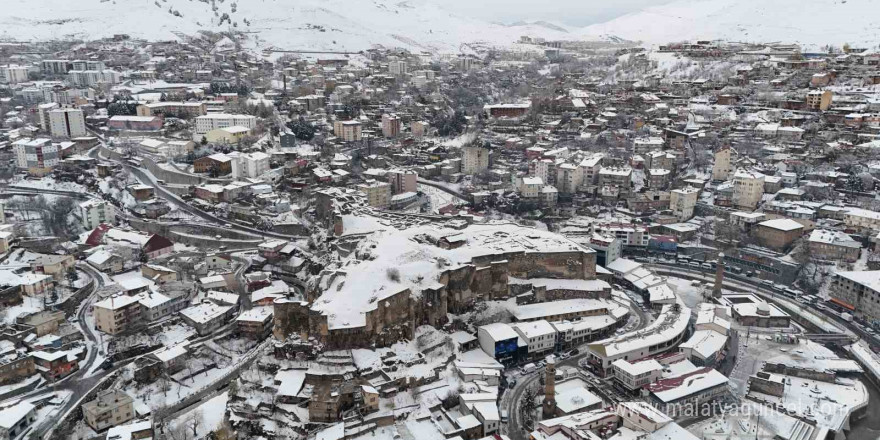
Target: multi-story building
[[402, 181], [13, 74], [682, 202], [748, 188], [117, 314], [614, 176], [819, 99], [176, 109], [213, 121], [590, 169], [858, 293], [636, 375], [861, 220], [87, 65], [255, 323], [67, 122], [349, 131], [93, 77], [499, 341], [530, 188], [249, 165], [545, 169], [826, 244], [397, 67], [474, 159], [43, 113], [722, 167], [684, 394], [55, 67], [37, 156], [568, 178], [418, 129], [94, 212], [778, 233], [539, 335], [110, 408], [657, 177], [378, 193], [390, 125], [206, 317], [629, 235]]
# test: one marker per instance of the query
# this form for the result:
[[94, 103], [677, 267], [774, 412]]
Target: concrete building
[[183, 110], [206, 317], [13, 74], [349, 131], [857, 293], [117, 314], [55, 67], [397, 67], [402, 181], [390, 125], [110, 408], [722, 167], [93, 77], [16, 419], [206, 123], [499, 340], [539, 335], [249, 165], [634, 376], [419, 129], [684, 394], [568, 178], [378, 193], [37, 156], [682, 202], [43, 114], [748, 188], [94, 212], [778, 234], [474, 159], [826, 244], [819, 99]]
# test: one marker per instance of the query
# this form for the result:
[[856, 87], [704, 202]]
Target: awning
[[843, 304]]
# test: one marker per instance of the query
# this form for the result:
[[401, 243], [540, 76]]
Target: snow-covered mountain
[[286, 24], [809, 22]]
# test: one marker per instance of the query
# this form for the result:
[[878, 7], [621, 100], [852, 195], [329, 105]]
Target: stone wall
[[170, 176], [804, 373]]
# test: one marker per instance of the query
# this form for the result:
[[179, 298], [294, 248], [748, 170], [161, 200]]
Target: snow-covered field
[[304, 24], [812, 23]]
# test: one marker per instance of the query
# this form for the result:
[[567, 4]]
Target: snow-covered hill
[[809, 22], [287, 24]]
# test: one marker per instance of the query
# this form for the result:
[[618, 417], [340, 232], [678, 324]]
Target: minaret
[[550, 388], [719, 276]]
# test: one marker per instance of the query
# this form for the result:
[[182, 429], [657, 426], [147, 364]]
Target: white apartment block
[[530, 188], [67, 122], [43, 113], [539, 335], [590, 169], [94, 212], [206, 123], [474, 160], [682, 202], [249, 165], [87, 65], [13, 74], [93, 77], [397, 67], [748, 188], [111, 407], [378, 193], [568, 178], [542, 169]]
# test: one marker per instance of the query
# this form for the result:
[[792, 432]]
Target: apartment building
[[206, 123], [55, 67], [779, 233], [110, 408], [16, 419], [13, 74], [819, 99], [37, 156], [402, 181], [67, 122], [117, 314], [568, 178], [858, 293], [684, 394], [474, 159], [748, 188], [419, 129], [620, 177], [545, 169], [722, 167], [43, 114], [94, 212], [826, 244], [636, 375], [397, 67], [378, 193], [249, 165], [349, 131], [682, 202], [80, 78], [539, 335], [176, 109], [861, 220], [530, 188], [390, 125], [590, 169]]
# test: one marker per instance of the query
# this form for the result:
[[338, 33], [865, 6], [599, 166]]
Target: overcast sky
[[569, 12]]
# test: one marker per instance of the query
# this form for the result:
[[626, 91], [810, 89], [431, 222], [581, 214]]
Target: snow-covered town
[[213, 227]]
